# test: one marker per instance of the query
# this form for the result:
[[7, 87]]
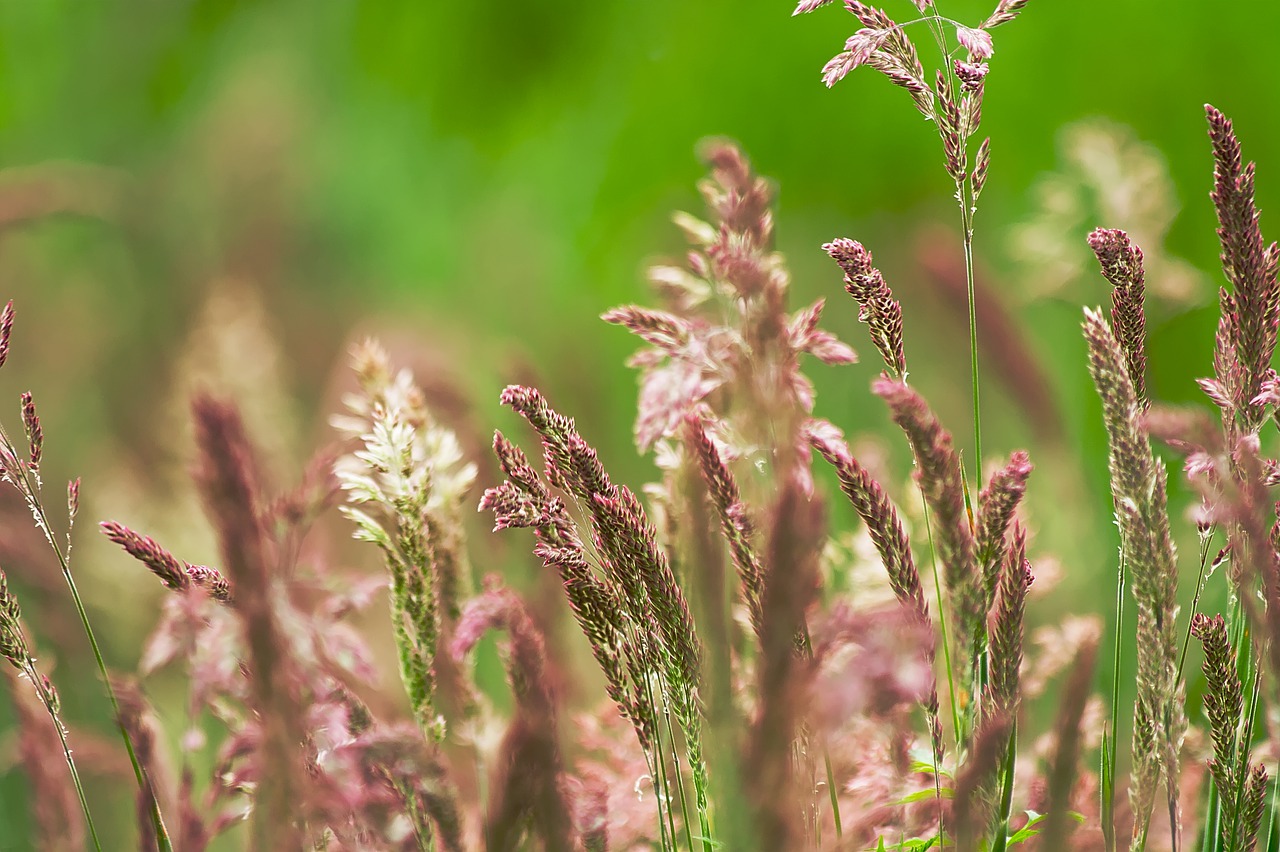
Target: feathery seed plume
[[228, 483], [735, 520], [972, 806], [1141, 504], [876, 305], [939, 476], [790, 586], [1004, 625], [1251, 308], [528, 783], [890, 540], [6, 331], [176, 574], [1121, 263], [1005, 11], [35, 435], [1064, 761], [1223, 703], [997, 503]]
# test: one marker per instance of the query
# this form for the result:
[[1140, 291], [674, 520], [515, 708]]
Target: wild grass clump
[[752, 696]]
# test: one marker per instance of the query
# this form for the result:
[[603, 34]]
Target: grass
[[745, 694]]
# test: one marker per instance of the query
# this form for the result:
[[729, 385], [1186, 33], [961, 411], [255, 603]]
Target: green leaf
[[922, 795], [1027, 831], [924, 768]]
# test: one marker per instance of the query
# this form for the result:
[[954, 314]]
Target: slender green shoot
[[29, 671], [30, 488], [942, 624], [1271, 840], [1001, 842], [833, 793], [675, 770], [662, 788], [1111, 739], [1206, 541], [965, 192]]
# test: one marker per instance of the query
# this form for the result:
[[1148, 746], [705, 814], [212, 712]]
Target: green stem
[[942, 624], [1209, 840], [675, 770], [1109, 767], [1271, 840], [660, 784], [157, 820], [34, 677], [418, 822], [1205, 544], [831, 790], [966, 219], [1006, 791], [1250, 672], [826, 756]]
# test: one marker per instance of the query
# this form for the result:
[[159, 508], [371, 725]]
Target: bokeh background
[[228, 194]]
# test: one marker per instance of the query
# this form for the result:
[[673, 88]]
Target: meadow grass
[[749, 696]]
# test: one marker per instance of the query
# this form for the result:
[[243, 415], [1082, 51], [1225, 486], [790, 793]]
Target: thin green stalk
[[1244, 752], [417, 820], [831, 790], [966, 218], [1109, 764], [658, 772], [946, 658], [34, 677], [826, 758], [1106, 785], [1249, 672], [1006, 791], [157, 820], [1272, 839], [667, 827], [1205, 544], [675, 770], [1209, 839], [661, 785], [704, 826], [942, 624]]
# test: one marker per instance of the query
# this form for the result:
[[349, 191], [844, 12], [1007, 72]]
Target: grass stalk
[[1001, 842], [661, 785], [34, 676], [946, 659], [1206, 542], [942, 625], [965, 194], [157, 819], [675, 770], [1250, 672], [30, 488], [1271, 840], [1209, 836], [1111, 739], [831, 791]]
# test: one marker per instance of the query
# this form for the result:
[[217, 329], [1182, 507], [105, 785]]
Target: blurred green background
[[476, 182]]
